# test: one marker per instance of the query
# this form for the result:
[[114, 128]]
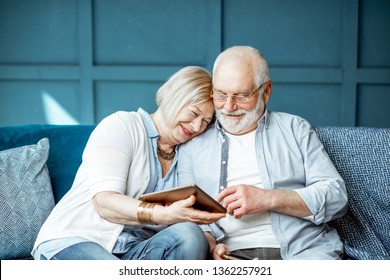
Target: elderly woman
[[129, 154]]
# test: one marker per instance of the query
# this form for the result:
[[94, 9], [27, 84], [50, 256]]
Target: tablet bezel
[[203, 200]]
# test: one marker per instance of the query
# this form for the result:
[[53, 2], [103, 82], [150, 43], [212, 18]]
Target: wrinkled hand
[[182, 211], [220, 250], [242, 200]]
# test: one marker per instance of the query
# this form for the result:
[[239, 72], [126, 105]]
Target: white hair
[[249, 55]]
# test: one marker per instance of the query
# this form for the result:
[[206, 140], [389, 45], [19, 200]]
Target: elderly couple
[[268, 169]]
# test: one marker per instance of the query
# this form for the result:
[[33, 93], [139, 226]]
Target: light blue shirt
[[157, 182], [290, 156]]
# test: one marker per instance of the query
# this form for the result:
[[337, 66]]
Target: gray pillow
[[26, 198]]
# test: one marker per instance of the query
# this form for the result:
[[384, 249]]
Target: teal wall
[[69, 61]]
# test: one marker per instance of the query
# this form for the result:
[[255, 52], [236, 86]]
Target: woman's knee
[[182, 241]]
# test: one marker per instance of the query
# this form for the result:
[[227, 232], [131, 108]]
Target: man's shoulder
[[287, 118], [282, 122]]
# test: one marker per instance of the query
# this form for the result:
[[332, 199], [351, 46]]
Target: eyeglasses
[[238, 98]]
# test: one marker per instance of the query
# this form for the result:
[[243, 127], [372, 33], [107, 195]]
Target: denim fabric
[[182, 241], [83, 251]]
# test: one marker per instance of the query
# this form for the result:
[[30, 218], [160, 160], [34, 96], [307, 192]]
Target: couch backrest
[[67, 143], [362, 157]]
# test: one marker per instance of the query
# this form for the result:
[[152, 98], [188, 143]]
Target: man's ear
[[267, 92]]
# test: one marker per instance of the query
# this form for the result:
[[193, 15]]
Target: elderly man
[[268, 169]]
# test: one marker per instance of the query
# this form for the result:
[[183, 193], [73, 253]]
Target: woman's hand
[[121, 209], [182, 211]]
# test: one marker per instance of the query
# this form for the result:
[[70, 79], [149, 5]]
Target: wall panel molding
[[319, 52]]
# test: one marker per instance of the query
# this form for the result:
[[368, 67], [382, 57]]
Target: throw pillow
[[26, 198]]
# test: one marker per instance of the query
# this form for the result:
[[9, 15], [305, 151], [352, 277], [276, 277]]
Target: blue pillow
[[26, 198]]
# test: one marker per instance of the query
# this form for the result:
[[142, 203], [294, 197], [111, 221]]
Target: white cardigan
[[116, 158]]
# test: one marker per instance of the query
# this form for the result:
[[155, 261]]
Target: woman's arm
[[116, 207], [121, 209]]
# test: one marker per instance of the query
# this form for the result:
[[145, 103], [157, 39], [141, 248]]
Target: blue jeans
[[182, 241]]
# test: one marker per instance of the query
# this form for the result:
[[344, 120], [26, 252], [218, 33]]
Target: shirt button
[[223, 162], [221, 187], [223, 140]]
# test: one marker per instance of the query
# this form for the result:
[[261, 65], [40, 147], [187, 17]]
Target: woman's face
[[191, 121]]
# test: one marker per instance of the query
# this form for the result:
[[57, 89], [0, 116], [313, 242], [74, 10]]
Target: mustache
[[234, 113]]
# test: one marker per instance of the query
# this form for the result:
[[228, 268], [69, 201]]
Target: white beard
[[235, 126]]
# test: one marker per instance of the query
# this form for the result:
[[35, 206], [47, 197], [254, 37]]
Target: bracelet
[[145, 213]]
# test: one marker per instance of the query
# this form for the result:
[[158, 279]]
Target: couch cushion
[[362, 157], [67, 143], [26, 198]]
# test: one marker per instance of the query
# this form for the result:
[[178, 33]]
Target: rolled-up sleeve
[[325, 192]]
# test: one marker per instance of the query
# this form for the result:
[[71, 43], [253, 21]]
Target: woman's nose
[[196, 124]]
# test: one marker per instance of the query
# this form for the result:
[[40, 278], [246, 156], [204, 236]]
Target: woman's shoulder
[[126, 118], [130, 123]]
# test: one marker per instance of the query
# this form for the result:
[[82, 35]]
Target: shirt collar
[[150, 127], [265, 119]]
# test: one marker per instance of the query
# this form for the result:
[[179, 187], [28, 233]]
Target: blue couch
[[361, 155]]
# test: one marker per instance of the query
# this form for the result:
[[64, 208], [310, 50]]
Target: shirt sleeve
[[108, 155], [325, 192], [216, 231]]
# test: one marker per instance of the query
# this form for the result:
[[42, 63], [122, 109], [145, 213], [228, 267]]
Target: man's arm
[[322, 199], [325, 193], [245, 199]]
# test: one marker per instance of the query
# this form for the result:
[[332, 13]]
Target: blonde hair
[[190, 85]]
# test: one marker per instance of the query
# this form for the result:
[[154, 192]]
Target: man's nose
[[230, 104]]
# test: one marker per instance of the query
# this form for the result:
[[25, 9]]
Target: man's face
[[234, 79]]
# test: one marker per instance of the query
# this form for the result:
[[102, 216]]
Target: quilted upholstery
[[362, 157]]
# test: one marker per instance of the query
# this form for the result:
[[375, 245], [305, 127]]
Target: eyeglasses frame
[[234, 95]]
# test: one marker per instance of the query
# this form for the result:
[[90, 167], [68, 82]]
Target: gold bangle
[[145, 212]]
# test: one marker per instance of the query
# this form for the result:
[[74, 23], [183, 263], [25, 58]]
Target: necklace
[[164, 155]]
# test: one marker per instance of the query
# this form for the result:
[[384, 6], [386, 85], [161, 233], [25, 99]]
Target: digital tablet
[[203, 200]]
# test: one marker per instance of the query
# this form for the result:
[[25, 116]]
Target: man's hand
[[243, 199], [216, 250], [220, 250]]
